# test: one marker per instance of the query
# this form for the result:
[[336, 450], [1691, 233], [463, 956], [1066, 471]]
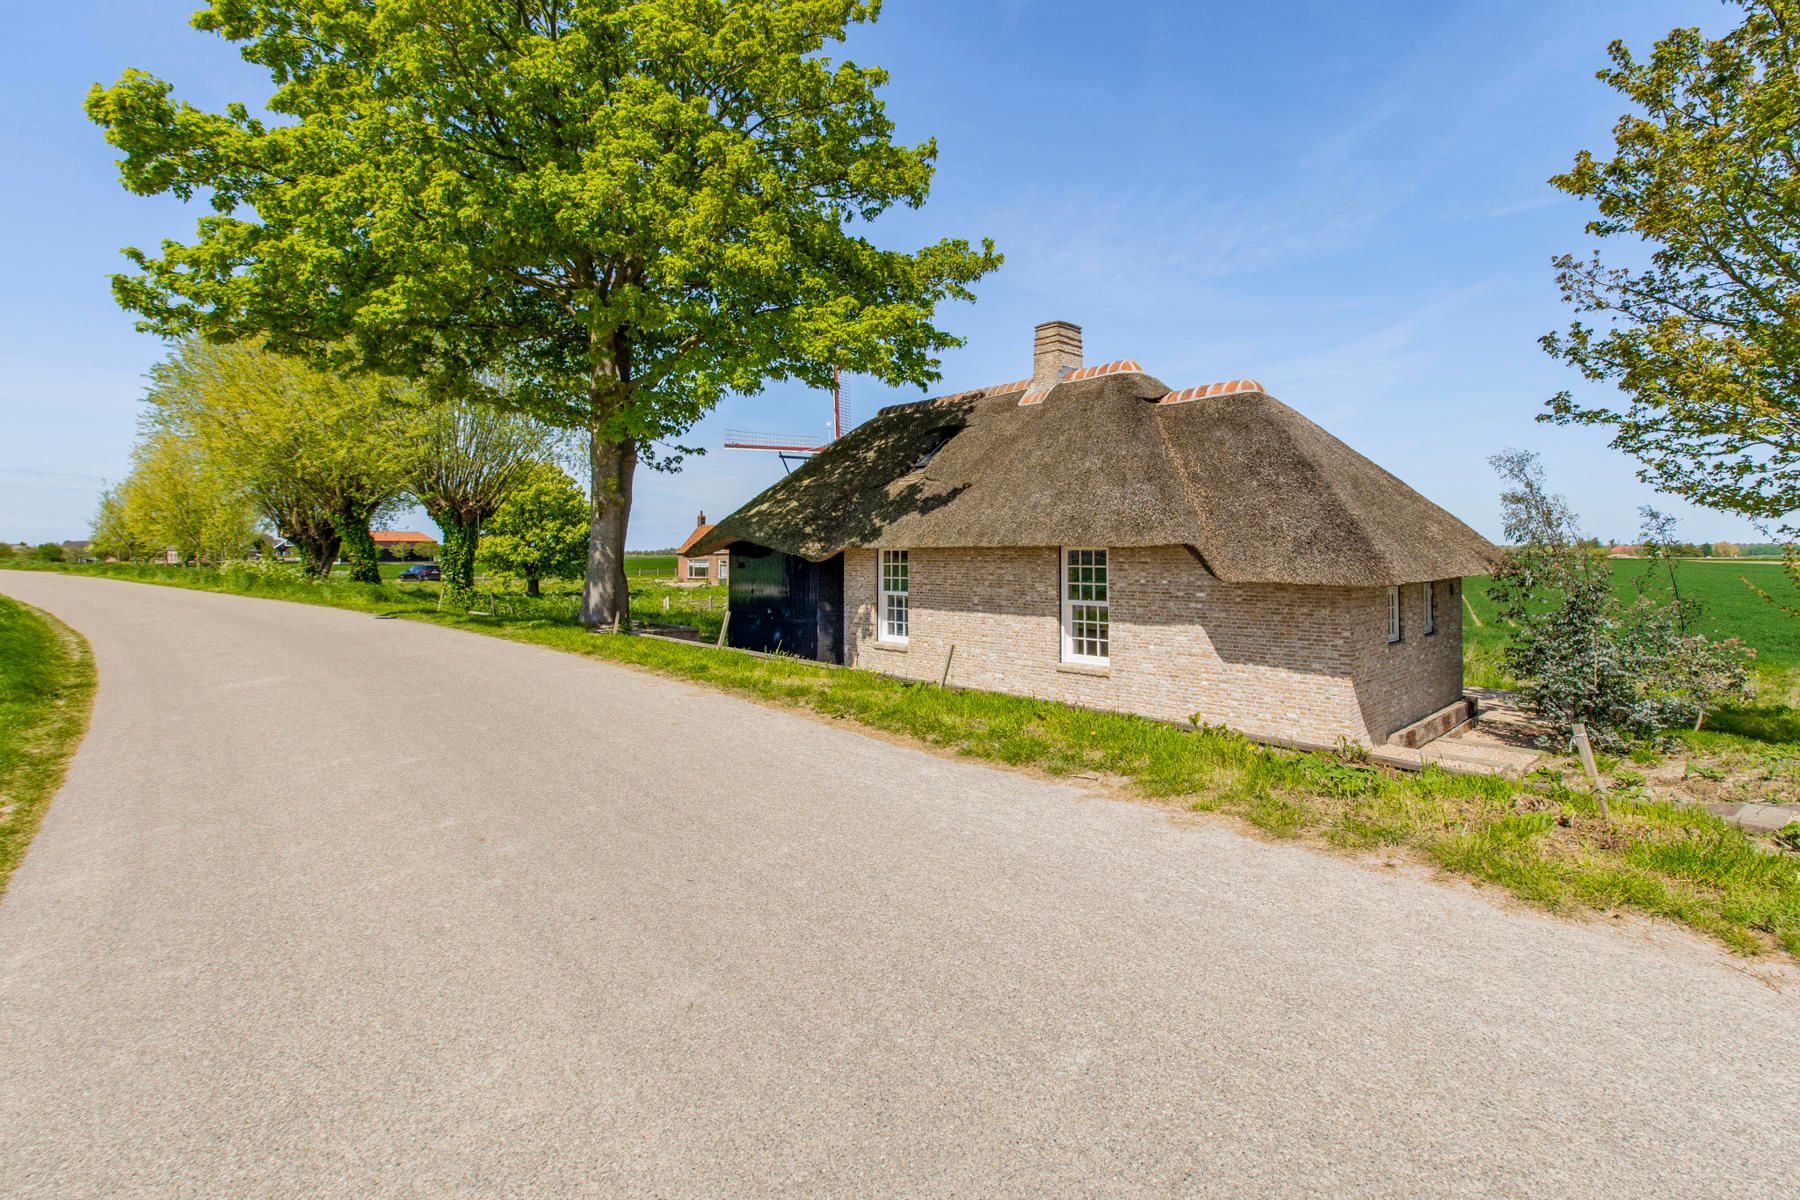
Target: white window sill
[[1098, 669]]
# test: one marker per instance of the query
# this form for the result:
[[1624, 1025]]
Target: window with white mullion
[[1393, 615], [894, 622], [1086, 607], [1430, 608]]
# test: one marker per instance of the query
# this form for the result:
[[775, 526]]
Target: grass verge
[[46, 693], [1540, 839]]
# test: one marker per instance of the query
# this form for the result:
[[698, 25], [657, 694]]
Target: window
[[894, 582], [1086, 619], [938, 440], [698, 567], [1430, 608], [1393, 630]]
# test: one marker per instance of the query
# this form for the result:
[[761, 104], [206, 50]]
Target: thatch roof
[[1114, 458]]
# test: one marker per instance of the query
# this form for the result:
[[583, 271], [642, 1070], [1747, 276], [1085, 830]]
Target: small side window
[[1393, 624], [1430, 609]]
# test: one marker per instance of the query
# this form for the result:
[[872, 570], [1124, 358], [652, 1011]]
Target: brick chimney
[[700, 520], [1055, 351]]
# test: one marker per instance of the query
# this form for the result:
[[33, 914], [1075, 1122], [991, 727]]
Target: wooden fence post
[[1586, 751], [944, 679], [723, 626]]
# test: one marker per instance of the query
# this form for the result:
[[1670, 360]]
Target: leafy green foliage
[[625, 208], [1623, 670], [317, 453], [466, 460], [1705, 340], [48, 552], [540, 531], [174, 498]]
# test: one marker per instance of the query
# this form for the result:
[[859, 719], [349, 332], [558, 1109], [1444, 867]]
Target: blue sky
[[1346, 202]]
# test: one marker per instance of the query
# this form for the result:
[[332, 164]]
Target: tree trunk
[[457, 557], [605, 596], [318, 549], [531, 586], [353, 531]]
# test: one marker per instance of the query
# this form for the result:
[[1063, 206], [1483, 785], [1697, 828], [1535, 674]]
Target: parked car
[[420, 573]]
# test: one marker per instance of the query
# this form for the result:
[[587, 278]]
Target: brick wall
[[717, 570], [1310, 663]]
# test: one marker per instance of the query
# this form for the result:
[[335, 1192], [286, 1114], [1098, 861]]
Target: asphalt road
[[333, 906]]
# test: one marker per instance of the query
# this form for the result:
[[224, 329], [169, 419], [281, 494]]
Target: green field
[[650, 564], [1728, 608]]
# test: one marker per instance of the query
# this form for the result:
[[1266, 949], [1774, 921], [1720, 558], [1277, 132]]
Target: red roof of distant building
[[400, 537], [700, 531]]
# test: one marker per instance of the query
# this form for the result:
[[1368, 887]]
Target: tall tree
[[178, 498], [320, 454], [467, 459], [115, 532], [634, 206], [540, 532], [1704, 341]]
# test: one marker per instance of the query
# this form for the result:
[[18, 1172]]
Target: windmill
[[796, 448]]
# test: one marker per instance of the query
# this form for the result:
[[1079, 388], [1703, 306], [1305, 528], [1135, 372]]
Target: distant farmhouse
[[399, 545], [701, 568], [1094, 536]]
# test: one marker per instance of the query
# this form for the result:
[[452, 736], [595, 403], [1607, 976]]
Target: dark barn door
[[782, 602]]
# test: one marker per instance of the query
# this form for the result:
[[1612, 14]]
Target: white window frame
[[1430, 609], [893, 567], [699, 568], [1081, 558], [1393, 616]]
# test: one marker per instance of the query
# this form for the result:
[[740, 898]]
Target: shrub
[[1624, 670], [253, 573]]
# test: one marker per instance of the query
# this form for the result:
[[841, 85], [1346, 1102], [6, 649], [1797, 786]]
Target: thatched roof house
[[1211, 508]]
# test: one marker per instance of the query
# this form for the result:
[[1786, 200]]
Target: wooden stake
[[723, 626], [1586, 751], [944, 679]]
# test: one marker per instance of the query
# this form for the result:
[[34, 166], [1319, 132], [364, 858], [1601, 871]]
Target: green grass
[[1728, 608], [46, 692], [650, 564], [1540, 840]]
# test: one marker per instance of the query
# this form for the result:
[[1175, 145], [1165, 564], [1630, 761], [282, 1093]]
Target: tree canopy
[[466, 459], [317, 453], [626, 207], [540, 532], [1703, 339], [174, 497]]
